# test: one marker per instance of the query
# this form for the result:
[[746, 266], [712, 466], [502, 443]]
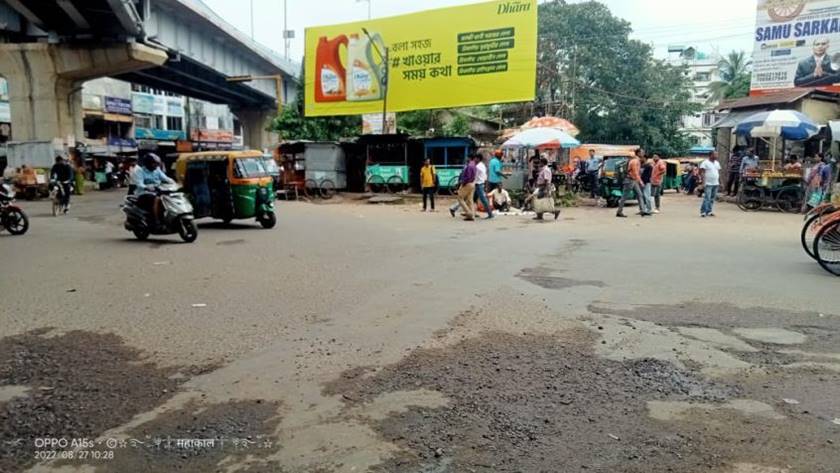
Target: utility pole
[[384, 79], [286, 27], [252, 19], [368, 2]]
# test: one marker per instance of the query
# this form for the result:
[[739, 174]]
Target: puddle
[[542, 277], [81, 384]]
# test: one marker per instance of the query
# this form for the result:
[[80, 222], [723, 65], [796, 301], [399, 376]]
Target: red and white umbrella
[[552, 122], [541, 138]]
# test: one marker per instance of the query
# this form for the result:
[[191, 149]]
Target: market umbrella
[[552, 122], [541, 138], [787, 124]]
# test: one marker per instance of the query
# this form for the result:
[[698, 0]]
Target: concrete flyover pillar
[[255, 123], [45, 83]]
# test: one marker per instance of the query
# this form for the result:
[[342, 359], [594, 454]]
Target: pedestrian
[[593, 169], [749, 163], [500, 198], [632, 183], [495, 174], [647, 187], [480, 182], [710, 172], [544, 192], [733, 180], [659, 171], [428, 183], [466, 191]]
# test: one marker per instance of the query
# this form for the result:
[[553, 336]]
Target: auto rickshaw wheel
[[268, 220], [327, 189], [310, 188], [395, 184]]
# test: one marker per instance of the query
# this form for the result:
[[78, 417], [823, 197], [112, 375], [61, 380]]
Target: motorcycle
[[57, 196], [177, 215], [12, 217]]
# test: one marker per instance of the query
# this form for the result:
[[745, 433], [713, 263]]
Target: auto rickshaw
[[673, 175], [228, 185], [612, 180]]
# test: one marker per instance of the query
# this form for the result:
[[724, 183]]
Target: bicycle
[[827, 244], [814, 220]]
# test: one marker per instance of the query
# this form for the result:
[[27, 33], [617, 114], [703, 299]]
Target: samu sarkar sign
[[468, 55], [797, 44]]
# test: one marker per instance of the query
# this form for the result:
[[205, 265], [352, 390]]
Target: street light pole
[[384, 79], [286, 27], [278, 86]]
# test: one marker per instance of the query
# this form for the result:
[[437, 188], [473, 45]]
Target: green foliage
[[291, 124], [610, 86], [735, 78], [419, 122], [459, 126]]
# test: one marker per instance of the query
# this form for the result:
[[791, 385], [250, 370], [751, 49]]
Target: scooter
[[177, 215], [12, 218]]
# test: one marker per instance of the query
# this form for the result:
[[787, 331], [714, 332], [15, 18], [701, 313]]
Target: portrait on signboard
[[818, 69]]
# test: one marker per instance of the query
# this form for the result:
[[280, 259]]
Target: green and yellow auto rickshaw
[[228, 185]]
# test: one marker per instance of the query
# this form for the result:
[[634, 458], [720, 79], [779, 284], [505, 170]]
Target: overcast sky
[[705, 24]]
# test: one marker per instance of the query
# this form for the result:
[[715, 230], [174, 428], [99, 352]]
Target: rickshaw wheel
[[827, 248], [376, 184], [395, 184], [327, 189], [749, 201], [788, 201], [452, 187], [310, 188], [809, 233]]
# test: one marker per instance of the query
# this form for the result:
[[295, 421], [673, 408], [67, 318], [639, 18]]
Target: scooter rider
[[62, 175], [147, 179]]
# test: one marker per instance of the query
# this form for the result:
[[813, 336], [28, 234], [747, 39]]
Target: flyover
[[50, 46]]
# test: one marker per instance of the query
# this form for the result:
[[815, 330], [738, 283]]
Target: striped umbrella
[[541, 138]]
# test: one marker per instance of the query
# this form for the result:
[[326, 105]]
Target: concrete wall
[[819, 110]]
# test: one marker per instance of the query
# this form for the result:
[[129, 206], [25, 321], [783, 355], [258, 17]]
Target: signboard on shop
[[117, 105], [372, 124], [143, 103], [476, 54], [797, 44]]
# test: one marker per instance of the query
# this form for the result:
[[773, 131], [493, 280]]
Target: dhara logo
[[514, 7]]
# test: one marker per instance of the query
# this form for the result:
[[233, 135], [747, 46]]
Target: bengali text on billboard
[[797, 44], [468, 55]]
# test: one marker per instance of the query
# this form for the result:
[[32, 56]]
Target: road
[[358, 337]]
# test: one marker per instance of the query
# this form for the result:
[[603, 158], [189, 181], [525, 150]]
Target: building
[[704, 70], [121, 118], [5, 112]]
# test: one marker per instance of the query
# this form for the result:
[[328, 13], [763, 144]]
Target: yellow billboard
[[474, 54]]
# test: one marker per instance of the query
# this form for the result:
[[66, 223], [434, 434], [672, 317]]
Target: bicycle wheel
[[376, 183], [789, 201], [827, 247], [395, 184], [327, 189], [749, 200], [310, 188], [809, 233]]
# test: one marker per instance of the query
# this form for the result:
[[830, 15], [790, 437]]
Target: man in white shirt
[[500, 198], [710, 173], [480, 180]]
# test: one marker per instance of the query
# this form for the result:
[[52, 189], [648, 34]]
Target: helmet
[[150, 161]]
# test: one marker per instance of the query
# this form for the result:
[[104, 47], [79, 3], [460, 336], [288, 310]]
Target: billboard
[[797, 44], [460, 56]]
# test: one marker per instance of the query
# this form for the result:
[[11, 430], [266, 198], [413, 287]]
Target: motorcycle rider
[[62, 174], [148, 177]]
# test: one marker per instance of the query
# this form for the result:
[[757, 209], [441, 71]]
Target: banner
[[475, 54], [372, 123], [117, 105], [797, 44]]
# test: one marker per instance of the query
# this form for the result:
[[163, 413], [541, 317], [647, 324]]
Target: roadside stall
[[448, 156], [325, 169], [290, 157], [770, 185], [386, 158]]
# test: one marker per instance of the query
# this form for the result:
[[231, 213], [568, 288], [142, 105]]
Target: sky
[[708, 25]]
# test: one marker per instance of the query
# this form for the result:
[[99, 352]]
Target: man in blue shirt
[[146, 179], [495, 174], [593, 170]]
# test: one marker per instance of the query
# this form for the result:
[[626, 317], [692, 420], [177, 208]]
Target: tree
[[291, 124], [610, 86], [735, 78]]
